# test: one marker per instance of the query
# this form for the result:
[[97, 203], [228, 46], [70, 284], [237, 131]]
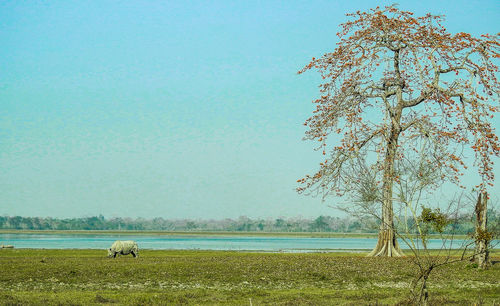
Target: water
[[182, 242]]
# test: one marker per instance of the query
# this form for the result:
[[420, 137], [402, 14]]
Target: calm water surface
[[286, 244]]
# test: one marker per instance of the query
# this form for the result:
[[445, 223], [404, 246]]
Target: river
[[202, 242]]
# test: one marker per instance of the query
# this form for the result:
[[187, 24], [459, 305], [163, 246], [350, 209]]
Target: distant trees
[[464, 225]]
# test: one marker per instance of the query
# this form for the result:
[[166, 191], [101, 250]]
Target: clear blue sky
[[178, 109]]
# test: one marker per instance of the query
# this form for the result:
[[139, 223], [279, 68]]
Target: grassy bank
[[197, 233], [216, 277], [205, 233]]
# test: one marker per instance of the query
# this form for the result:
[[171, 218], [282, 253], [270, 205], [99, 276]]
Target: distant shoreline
[[205, 233], [194, 233]]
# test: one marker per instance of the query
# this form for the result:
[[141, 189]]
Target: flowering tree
[[398, 85]]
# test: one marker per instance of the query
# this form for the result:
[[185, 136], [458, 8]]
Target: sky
[[173, 109]]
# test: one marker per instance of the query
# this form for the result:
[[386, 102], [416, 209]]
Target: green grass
[[87, 277]]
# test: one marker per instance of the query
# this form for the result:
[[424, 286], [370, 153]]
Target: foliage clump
[[435, 219]]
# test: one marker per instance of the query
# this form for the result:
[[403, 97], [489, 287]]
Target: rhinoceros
[[123, 248]]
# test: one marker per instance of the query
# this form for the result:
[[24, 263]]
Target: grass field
[[86, 277]]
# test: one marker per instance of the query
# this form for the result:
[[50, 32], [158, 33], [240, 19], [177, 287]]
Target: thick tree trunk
[[482, 252], [387, 243]]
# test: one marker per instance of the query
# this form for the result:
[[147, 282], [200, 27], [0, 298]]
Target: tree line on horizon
[[464, 224]]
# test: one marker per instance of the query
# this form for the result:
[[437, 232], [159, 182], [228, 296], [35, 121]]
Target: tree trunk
[[387, 244], [424, 294], [420, 292], [482, 239]]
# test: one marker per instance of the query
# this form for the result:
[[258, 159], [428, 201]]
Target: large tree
[[394, 86]]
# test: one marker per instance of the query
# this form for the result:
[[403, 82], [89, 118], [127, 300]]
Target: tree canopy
[[397, 88]]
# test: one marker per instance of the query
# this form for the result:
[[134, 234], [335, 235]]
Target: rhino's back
[[117, 245], [129, 244], [124, 246]]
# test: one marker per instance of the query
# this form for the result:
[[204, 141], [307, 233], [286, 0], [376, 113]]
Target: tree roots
[[387, 245]]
